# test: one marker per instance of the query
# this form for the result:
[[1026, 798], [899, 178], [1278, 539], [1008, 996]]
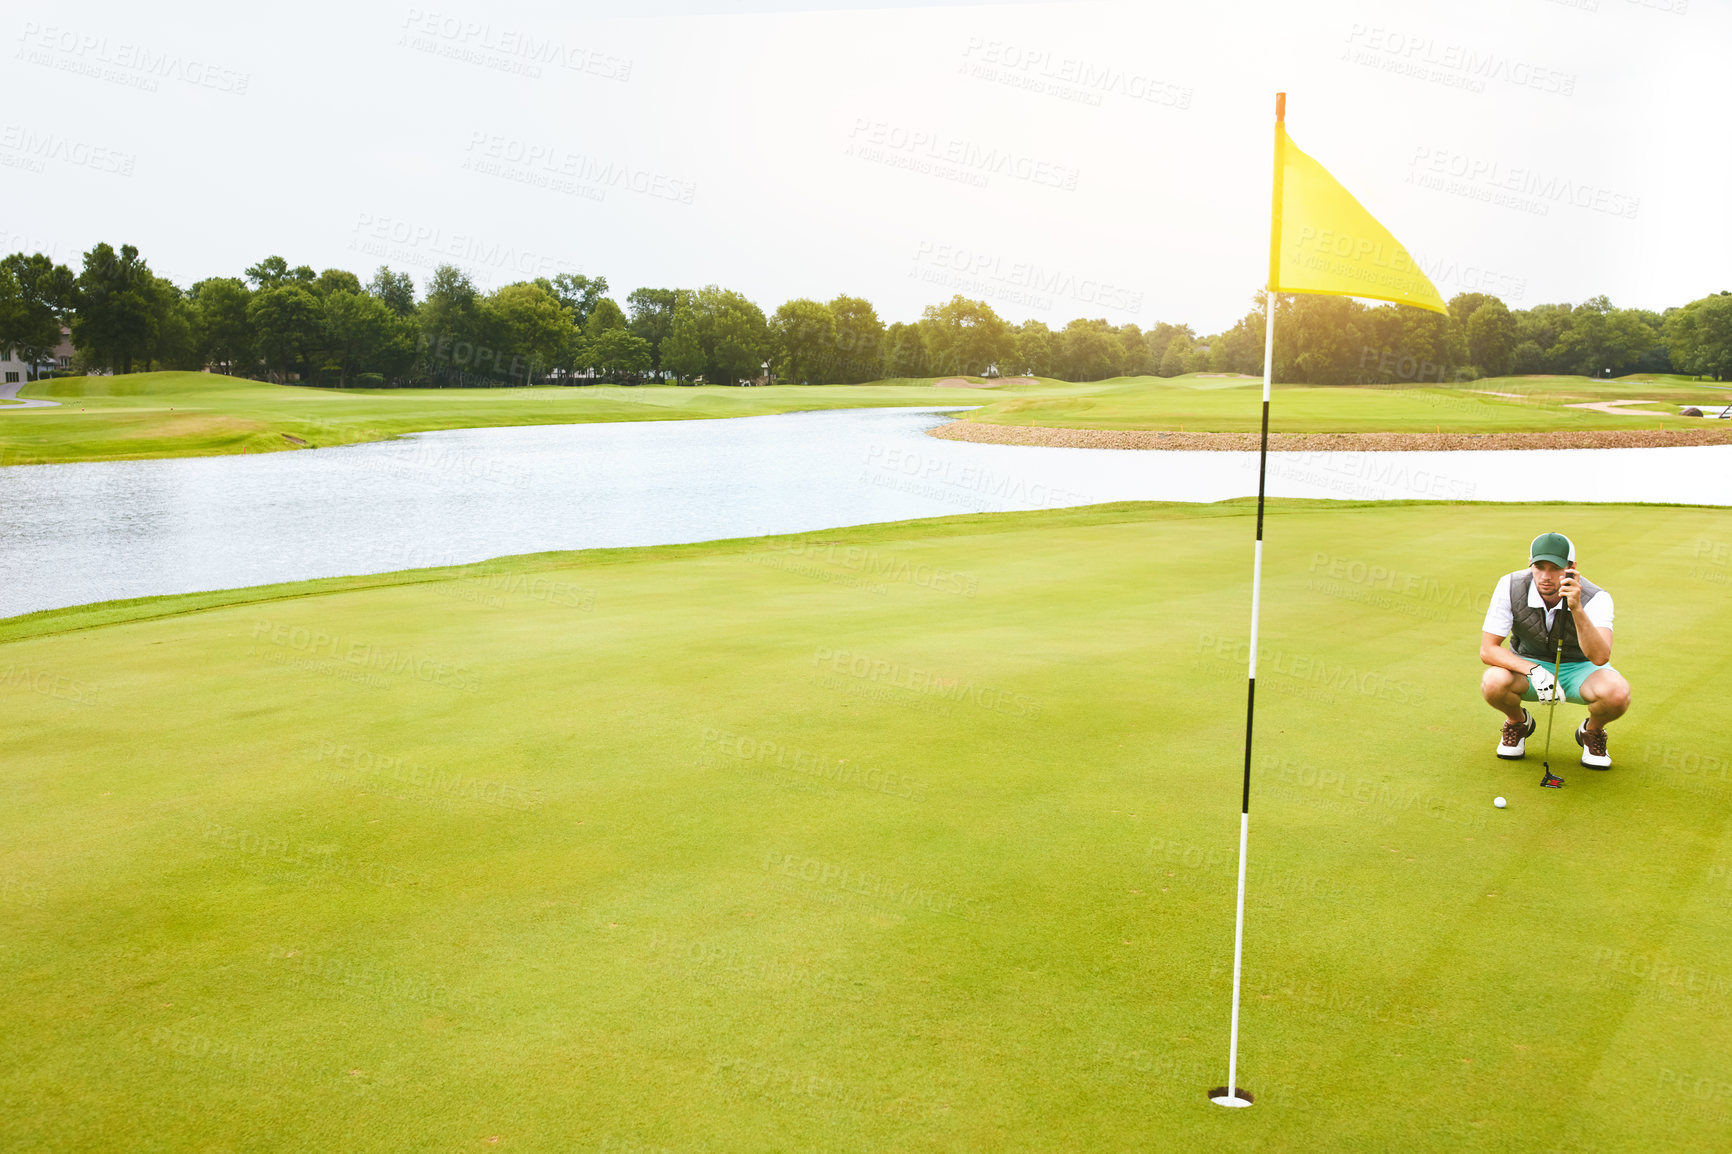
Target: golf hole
[[1238, 1097]]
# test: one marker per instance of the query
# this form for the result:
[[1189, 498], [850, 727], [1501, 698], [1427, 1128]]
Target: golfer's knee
[[1614, 696], [1497, 683]]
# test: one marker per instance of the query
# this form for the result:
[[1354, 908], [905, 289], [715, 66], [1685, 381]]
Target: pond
[[79, 533]]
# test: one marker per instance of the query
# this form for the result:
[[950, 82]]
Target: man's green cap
[[1553, 547]]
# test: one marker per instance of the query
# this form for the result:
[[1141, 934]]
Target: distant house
[[14, 370]]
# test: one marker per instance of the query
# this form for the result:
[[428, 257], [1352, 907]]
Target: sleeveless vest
[[1528, 635]]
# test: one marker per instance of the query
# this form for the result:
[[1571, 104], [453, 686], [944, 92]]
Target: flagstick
[[1230, 1096]]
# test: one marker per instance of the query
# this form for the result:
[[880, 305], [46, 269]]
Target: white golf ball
[[1499, 802]]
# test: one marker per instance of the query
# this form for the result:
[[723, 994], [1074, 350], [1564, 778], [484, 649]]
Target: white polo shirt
[[1499, 620]]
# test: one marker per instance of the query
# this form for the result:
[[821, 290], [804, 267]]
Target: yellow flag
[[1323, 241]]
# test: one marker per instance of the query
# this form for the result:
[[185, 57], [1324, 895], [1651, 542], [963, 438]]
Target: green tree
[[965, 337], [729, 332], [859, 341], [1036, 350], [905, 352], [172, 342], [1173, 358], [454, 340], [395, 289], [36, 297], [116, 307], [1317, 339], [1135, 360], [682, 351], [1538, 333], [1088, 350], [534, 328], [803, 336], [336, 280], [616, 352], [1237, 350], [652, 316], [604, 315], [1700, 337], [577, 292], [1602, 340], [222, 332], [1490, 337], [288, 323], [274, 271], [362, 334]]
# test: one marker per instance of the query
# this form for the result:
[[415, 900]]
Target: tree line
[[281, 323]]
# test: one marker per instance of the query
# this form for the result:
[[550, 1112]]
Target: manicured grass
[[1217, 404], [202, 414], [175, 414], [910, 837]]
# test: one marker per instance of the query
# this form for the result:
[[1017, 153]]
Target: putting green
[[908, 837]]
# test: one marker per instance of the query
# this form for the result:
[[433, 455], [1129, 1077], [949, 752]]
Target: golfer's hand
[[1544, 685], [1572, 589]]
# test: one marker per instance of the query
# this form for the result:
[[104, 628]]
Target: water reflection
[[90, 532]]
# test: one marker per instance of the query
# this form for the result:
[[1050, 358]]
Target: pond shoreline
[[980, 432]]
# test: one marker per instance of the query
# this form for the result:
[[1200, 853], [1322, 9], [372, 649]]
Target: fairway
[[183, 414], [179, 414], [913, 837], [1219, 404]]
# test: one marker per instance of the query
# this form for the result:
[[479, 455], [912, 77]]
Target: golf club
[[1551, 780]]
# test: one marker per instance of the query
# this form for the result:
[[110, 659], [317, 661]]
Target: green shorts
[[1571, 674]]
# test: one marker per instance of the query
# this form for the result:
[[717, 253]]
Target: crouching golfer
[[1525, 609]]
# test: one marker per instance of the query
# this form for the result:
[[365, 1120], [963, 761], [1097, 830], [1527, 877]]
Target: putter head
[[1551, 780]]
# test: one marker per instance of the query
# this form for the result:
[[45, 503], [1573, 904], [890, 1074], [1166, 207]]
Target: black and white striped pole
[[1232, 1094]]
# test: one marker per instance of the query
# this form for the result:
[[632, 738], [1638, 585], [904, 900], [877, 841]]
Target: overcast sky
[[1058, 160]]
